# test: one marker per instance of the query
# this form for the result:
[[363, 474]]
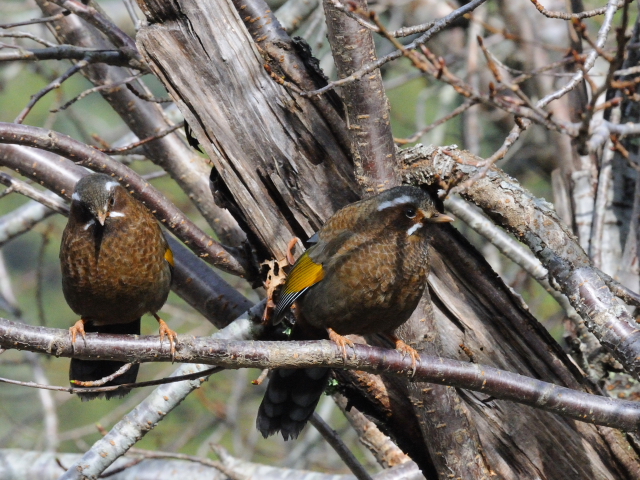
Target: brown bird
[[116, 266], [365, 274]]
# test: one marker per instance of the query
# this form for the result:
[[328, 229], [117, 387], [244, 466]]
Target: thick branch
[[204, 350]]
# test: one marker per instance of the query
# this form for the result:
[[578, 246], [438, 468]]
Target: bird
[[116, 266], [363, 274]]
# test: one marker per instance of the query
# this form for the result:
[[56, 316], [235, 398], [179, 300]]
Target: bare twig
[[28, 35], [95, 89], [53, 85], [34, 21], [148, 98], [570, 16], [332, 437], [133, 146], [100, 382], [44, 197], [95, 386], [611, 8], [454, 113], [67, 52]]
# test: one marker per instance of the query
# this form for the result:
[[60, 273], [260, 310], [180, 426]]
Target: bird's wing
[[304, 274]]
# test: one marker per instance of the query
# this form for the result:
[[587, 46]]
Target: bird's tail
[[91, 370], [292, 394], [290, 399]]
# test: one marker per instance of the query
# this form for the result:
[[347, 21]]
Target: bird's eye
[[410, 212], [112, 201]]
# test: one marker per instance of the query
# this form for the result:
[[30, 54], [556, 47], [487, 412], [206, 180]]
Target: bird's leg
[[405, 350], [165, 330], [78, 328], [342, 342]]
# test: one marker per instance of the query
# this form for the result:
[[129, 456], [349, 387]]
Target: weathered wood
[[272, 148]]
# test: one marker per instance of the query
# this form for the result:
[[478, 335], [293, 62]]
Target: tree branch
[[233, 354]]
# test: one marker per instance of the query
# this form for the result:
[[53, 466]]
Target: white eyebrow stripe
[[413, 229], [89, 223], [394, 202], [75, 197], [116, 214], [110, 185]]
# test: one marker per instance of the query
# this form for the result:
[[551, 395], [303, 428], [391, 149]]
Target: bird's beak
[[102, 217], [439, 218]]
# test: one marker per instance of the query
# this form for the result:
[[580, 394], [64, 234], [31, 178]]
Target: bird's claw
[[171, 335], [78, 328], [407, 350], [342, 342]]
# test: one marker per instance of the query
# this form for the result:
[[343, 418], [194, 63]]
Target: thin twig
[[98, 383], [570, 16], [501, 384], [119, 38], [125, 386], [133, 146], [457, 111], [28, 35], [611, 9], [46, 198], [148, 98], [53, 85], [34, 21], [96, 89], [333, 439]]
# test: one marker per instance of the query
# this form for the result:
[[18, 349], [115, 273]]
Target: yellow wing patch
[[168, 256], [304, 274]]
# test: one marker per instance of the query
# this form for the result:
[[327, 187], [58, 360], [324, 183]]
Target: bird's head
[[403, 209], [96, 198]]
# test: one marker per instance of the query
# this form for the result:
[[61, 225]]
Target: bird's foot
[[342, 342], [171, 335], [407, 350], [78, 328]]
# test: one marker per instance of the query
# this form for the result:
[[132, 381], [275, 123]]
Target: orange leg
[[165, 330], [341, 341], [406, 350], [78, 328]]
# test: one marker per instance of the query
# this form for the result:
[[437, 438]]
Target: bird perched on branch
[[116, 266], [364, 274]]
